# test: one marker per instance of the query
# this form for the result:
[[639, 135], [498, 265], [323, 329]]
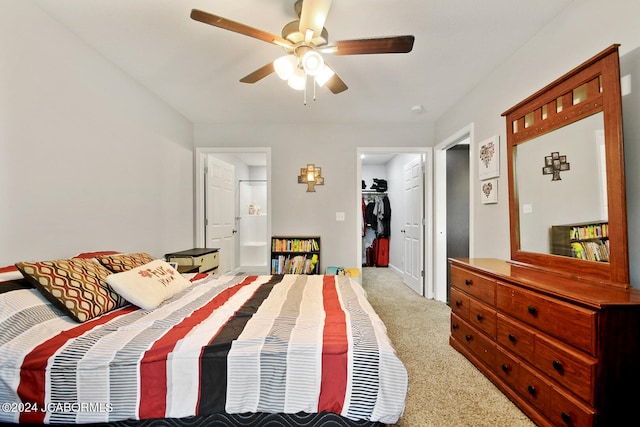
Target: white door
[[413, 228], [220, 211]]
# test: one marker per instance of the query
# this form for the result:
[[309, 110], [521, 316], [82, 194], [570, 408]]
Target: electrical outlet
[[339, 216]]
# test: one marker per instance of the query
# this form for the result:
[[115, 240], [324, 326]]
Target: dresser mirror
[[566, 174]]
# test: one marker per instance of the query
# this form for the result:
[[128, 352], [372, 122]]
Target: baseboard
[[397, 270]]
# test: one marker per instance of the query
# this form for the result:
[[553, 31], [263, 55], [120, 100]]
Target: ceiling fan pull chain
[[305, 91], [314, 88]]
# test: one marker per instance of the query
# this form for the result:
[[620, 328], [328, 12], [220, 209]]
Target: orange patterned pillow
[[77, 286], [125, 262]]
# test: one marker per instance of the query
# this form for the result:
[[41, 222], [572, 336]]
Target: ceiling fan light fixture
[[298, 80], [312, 62], [324, 75], [285, 66]]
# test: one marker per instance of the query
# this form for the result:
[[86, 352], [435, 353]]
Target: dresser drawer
[[554, 404], [574, 371], [483, 348], [533, 388], [459, 303], [569, 323], [507, 368], [207, 262], [483, 317], [474, 284], [566, 411], [515, 337]]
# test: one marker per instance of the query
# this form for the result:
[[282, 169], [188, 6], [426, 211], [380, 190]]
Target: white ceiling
[[196, 68]]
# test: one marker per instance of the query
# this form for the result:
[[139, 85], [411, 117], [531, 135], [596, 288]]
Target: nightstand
[[206, 259]]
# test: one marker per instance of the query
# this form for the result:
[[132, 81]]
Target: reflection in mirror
[[575, 193], [553, 183]]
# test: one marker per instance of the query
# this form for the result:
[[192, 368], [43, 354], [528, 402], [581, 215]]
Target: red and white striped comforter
[[282, 344]]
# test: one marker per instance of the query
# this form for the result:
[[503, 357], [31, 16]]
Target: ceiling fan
[[304, 41]]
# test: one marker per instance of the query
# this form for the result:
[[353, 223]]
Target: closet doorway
[[245, 246], [405, 174]]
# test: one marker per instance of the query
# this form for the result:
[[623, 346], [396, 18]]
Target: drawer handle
[[532, 310], [455, 326], [557, 365], [480, 318], [458, 303], [532, 390], [468, 282], [468, 337], [566, 418], [505, 368], [512, 338]]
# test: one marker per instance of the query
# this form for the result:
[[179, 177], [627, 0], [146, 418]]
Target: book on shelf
[[591, 250], [295, 245], [592, 231], [585, 240], [299, 264]]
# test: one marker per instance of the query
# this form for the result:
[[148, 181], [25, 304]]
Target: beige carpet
[[445, 389]]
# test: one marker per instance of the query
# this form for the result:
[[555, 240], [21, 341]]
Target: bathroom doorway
[[250, 202]]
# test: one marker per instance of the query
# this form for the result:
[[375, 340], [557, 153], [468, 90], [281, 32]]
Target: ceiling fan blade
[[335, 83], [313, 16], [258, 74], [397, 44], [236, 27]]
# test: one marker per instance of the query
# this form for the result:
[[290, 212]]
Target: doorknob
[[402, 231], [234, 231]]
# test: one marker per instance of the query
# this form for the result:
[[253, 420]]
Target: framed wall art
[[489, 158], [489, 191]]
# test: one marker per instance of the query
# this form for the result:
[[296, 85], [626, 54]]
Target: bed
[[237, 349]]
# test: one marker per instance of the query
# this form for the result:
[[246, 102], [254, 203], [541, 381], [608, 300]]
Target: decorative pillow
[[149, 285], [125, 262], [76, 286], [12, 280], [14, 285], [95, 254], [10, 272]]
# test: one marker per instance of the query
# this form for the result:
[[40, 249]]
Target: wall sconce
[[312, 176]]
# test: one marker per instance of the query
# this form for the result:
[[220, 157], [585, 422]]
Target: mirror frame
[[601, 74]]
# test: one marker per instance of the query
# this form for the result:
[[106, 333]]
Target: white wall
[[582, 30], [333, 148], [89, 160]]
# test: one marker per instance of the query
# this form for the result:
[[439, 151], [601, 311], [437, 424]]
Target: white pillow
[[149, 285]]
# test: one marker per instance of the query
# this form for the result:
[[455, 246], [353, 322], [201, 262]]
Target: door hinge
[[421, 273]]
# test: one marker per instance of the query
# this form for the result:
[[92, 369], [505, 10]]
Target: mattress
[[284, 344]]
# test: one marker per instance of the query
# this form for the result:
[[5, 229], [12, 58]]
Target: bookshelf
[[295, 255], [586, 240]]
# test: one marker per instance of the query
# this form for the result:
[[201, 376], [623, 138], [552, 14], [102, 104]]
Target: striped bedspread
[[282, 344]]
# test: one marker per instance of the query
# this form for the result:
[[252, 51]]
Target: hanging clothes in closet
[[377, 229], [382, 211]]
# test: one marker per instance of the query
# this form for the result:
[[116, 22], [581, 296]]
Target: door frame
[[440, 205], [427, 209], [200, 161]]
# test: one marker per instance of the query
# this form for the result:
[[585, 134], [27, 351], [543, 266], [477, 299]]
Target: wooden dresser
[[566, 351]]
